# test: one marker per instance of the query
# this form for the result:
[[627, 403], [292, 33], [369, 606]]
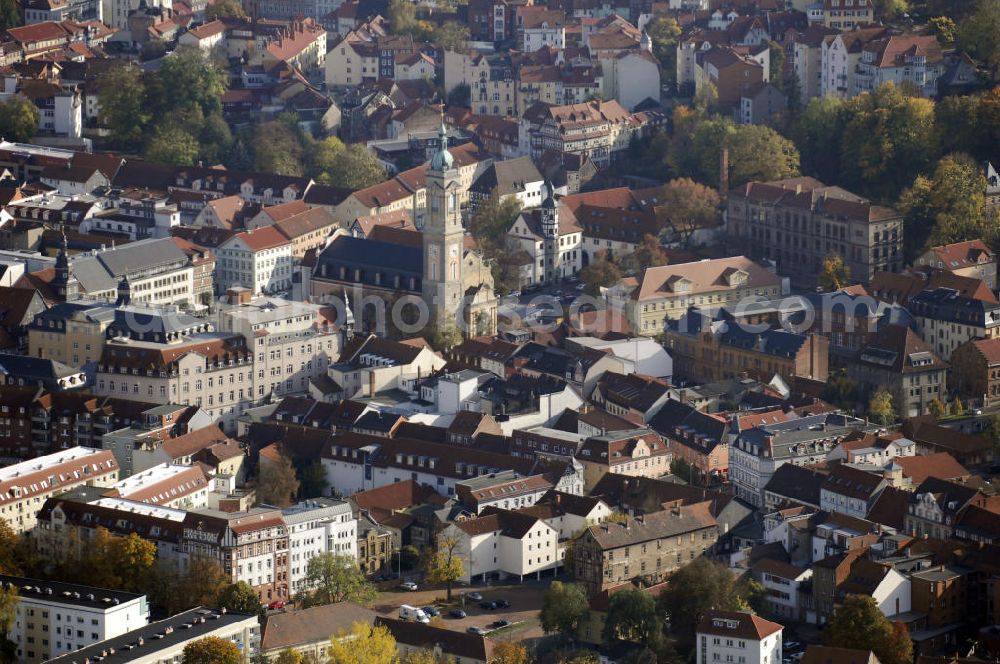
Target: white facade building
[[317, 526], [504, 544], [260, 260], [54, 618], [739, 638]]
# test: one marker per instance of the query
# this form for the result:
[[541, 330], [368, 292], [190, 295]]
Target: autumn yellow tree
[[835, 274], [510, 652], [211, 650], [445, 565], [363, 644]]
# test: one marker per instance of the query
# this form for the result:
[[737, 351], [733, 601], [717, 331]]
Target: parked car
[[277, 604], [407, 612], [791, 646], [497, 624], [408, 585], [431, 611], [478, 631], [457, 613], [475, 597], [503, 604], [488, 606]]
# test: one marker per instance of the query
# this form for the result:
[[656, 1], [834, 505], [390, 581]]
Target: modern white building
[[782, 583], [162, 642], [502, 544], [739, 638], [54, 618], [316, 526]]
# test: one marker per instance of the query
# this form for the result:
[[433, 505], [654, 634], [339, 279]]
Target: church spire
[[442, 159]]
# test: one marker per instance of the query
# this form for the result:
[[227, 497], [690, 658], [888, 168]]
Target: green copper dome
[[442, 160]]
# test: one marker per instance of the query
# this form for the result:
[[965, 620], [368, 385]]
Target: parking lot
[[525, 601]]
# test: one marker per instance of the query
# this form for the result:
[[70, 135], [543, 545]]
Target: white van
[[407, 612]]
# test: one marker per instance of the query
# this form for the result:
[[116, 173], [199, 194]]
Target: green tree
[[841, 390], [10, 14], [452, 36], [949, 206], [891, 9], [402, 16], [10, 545], [756, 153], [859, 624], [18, 119], [835, 273], [363, 644], [445, 565], [945, 28], [881, 409], [407, 557], [995, 432], [122, 108], [696, 588], [489, 224], [817, 133], [887, 140], [276, 483], [211, 650], [355, 168], [600, 273], [215, 139], [313, 482], [777, 64], [957, 407], [239, 597], [460, 95], [444, 336], [322, 156], [186, 78], [979, 33], [278, 149], [958, 125], [564, 608], [664, 31], [632, 616], [220, 9], [174, 146], [337, 579]]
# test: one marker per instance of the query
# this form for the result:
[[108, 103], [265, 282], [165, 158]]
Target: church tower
[[65, 285], [443, 239]]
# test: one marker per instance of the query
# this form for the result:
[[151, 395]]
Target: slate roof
[[899, 349], [796, 483]]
